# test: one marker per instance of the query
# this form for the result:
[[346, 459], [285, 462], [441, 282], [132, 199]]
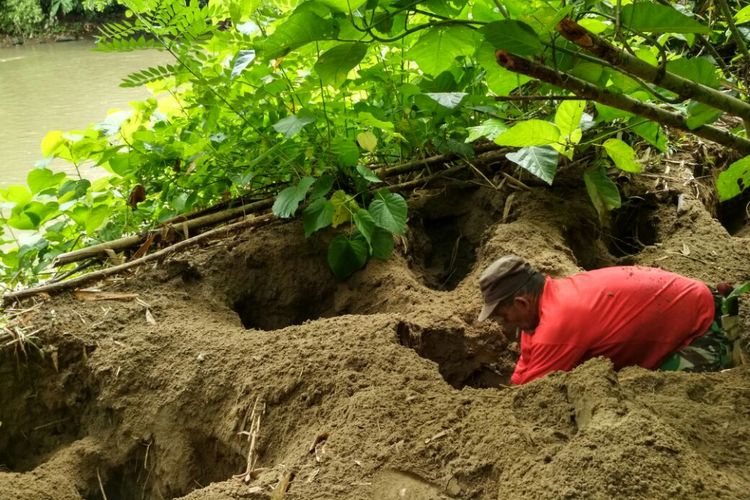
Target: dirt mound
[[247, 350]]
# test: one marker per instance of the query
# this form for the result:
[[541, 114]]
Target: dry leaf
[[150, 317], [685, 249]]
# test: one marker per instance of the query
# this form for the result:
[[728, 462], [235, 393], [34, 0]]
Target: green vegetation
[[30, 17], [298, 98]]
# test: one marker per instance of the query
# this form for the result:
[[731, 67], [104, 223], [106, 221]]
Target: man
[[631, 315]]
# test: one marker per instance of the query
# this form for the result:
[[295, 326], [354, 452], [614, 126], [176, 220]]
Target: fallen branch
[[586, 90], [103, 273]]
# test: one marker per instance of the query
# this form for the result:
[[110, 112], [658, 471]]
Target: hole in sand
[[734, 215], [445, 253], [633, 227], [462, 360]]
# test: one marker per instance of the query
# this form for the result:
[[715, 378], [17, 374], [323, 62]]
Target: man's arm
[[546, 358]]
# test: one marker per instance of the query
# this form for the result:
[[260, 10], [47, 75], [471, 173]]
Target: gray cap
[[501, 280]]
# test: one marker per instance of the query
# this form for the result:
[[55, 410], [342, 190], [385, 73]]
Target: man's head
[[511, 290]]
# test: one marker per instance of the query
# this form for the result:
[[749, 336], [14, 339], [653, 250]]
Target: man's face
[[520, 313]]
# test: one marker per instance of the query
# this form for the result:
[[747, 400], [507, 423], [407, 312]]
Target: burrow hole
[[462, 361], [633, 227], [734, 215]]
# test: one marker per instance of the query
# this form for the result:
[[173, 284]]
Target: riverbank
[[68, 30]]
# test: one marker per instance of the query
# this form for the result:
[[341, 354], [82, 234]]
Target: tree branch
[[589, 91]]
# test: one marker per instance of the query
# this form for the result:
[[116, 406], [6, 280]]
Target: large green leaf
[[322, 186], [40, 179], [16, 194], [447, 99], [489, 128], [317, 215], [365, 224], [697, 69], [435, 51], [346, 151], [289, 199], [734, 180], [345, 255], [700, 114], [334, 64], [389, 211], [529, 133], [652, 17], [513, 36], [243, 59], [302, 27], [651, 131], [538, 160], [292, 124], [603, 192], [743, 15], [382, 244], [622, 155], [568, 116]]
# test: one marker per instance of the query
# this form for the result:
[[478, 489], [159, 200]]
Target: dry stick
[[418, 164], [206, 220], [588, 91], [627, 63], [87, 278]]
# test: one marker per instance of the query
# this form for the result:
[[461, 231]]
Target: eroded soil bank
[[380, 387]]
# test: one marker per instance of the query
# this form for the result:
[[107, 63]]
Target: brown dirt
[[380, 387]]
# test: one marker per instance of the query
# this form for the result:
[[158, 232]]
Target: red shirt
[[631, 315]]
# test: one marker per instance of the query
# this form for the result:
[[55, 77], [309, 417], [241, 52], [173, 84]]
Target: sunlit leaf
[[734, 180], [435, 51], [568, 116], [334, 65], [489, 128], [51, 142], [40, 179], [367, 141], [602, 191], [529, 133], [622, 155], [447, 99], [243, 59]]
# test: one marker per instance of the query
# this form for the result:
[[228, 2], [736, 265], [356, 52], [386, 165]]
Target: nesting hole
[[734, 215], [634, 227], [462, 360]]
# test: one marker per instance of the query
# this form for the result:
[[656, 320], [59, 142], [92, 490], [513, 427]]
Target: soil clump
[[382, 386]]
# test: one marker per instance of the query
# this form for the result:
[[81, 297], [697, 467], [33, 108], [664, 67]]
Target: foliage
[[29, 17], [298, 97]]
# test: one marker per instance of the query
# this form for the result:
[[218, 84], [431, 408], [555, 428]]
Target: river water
[[59, 86]]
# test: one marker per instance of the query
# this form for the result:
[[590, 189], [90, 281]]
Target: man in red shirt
[[631, 315]]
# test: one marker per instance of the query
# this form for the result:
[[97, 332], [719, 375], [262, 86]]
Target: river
[[59, 86]]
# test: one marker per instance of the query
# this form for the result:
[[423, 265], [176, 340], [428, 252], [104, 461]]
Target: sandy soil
[[381, 387]]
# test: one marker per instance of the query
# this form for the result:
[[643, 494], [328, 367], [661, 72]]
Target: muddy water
[[58, 86]]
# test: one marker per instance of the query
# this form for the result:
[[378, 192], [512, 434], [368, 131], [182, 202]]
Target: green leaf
[[365, 224], [513, 36], [317, 215], [346, 151], [389, 211], [302, 27], [243, 59], [743, 15], [734, 180], [529, 133], [382, 244], [367, 141], [345, 256], [622, 155], [603, 192], [608, 114], [499, 80], [489, 128], [71, 190], [568, 116], [322, 185], [343, 205], [700, 114], [651, 131], [51, 142], [449, 100], [656, 18], [289, 199], [16, 194], [368, 174], [696, 69], [435, 51], [291, 125], [540, 161], [40, 179], [334, 65]]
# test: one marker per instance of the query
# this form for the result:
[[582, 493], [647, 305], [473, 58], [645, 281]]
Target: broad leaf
[[16, 194], [343, 205], [700, 114], [346, 151], [322, 185], [435, 51], [291, 125], [367, 141], [365, 224], [652, 17], [651, 131], [529, 133], [40, 179], [622, 155], [389, 211], [696, 69], [490, 129], [368, 174], [447, 99], [51, 142], [568, 116], [302, 27], [734, 180], [243, 59], [345, 256], [317, 215], [513, 36], [538, 160], [334, 65], [743, 15], [382, 244], [289, 199], [603, 192]]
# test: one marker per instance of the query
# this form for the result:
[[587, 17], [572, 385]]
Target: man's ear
[[522, 302]]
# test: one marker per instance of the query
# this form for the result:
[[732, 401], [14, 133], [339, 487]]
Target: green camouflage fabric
[[716, 350]]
